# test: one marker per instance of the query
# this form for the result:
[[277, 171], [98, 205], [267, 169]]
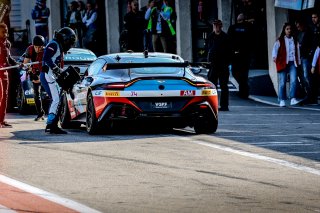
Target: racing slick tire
[[22, 105], [65, 118], [206, 124], [91, 119]]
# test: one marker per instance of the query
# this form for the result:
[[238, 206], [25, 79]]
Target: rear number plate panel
[[161, 105]]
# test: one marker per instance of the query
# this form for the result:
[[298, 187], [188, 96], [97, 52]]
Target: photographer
[[34, 53], [63, 40]]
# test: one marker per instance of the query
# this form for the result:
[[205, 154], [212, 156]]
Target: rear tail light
[[119, 85], [115, 86], [206, 85], [202, 106]]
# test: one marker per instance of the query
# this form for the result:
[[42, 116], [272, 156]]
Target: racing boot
[[57, 130], [54, 129], [40, 116], [48, 128]]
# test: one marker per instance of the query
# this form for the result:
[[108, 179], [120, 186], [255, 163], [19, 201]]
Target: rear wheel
[[91, 119], [206, 124]]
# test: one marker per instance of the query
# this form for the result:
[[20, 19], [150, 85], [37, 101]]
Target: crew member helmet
[[38, 40], [66, 37]]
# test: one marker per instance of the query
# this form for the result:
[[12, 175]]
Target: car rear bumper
[[185, 117]]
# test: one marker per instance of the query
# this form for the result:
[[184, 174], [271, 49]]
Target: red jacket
[[31, 54], [281, 61]]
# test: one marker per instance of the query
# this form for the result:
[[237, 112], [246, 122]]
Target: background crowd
[[296, 54], [150, 28], [82, 18]]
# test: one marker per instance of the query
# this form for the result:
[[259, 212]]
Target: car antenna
[[129, 70], [184, 68]]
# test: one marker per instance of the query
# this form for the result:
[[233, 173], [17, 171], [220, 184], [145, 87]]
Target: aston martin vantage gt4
[[141, 89]]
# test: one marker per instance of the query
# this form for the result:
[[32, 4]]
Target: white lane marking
[[276, 104], [250, 136], [47, 195], [274, 107], [275, 142], [233, 131], [4, 209], [259, 157], [272, 114], [307, 108], [267, 124], [256, 107], [303, 152], [271, 145], [263, 101], [278, 142]]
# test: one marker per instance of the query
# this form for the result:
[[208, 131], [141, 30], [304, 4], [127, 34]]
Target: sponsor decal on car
[[155, 93], [206, 92], [134, 94], [97, 93], [112, 93], [214, 92], [30, 101], [187, 93]]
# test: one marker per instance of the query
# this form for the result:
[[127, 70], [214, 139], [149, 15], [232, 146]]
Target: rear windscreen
[[154, 70]]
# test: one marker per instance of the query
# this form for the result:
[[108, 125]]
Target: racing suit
[[53, 64], [5, 61]]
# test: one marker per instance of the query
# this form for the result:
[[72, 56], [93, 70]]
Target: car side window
[[96, 66]]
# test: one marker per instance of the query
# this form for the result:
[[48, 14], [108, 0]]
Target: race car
[[144, 88], [25, 102]]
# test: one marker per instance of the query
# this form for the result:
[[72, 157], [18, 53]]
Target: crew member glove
[[57, 71], [21, 65]]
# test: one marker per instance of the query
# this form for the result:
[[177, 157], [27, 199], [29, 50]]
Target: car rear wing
[[111, 66], [201, 64], [77, 62]]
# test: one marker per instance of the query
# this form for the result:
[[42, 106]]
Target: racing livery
[[140, 87]]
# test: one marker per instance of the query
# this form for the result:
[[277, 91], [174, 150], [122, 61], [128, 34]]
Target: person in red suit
[[5, 61]]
